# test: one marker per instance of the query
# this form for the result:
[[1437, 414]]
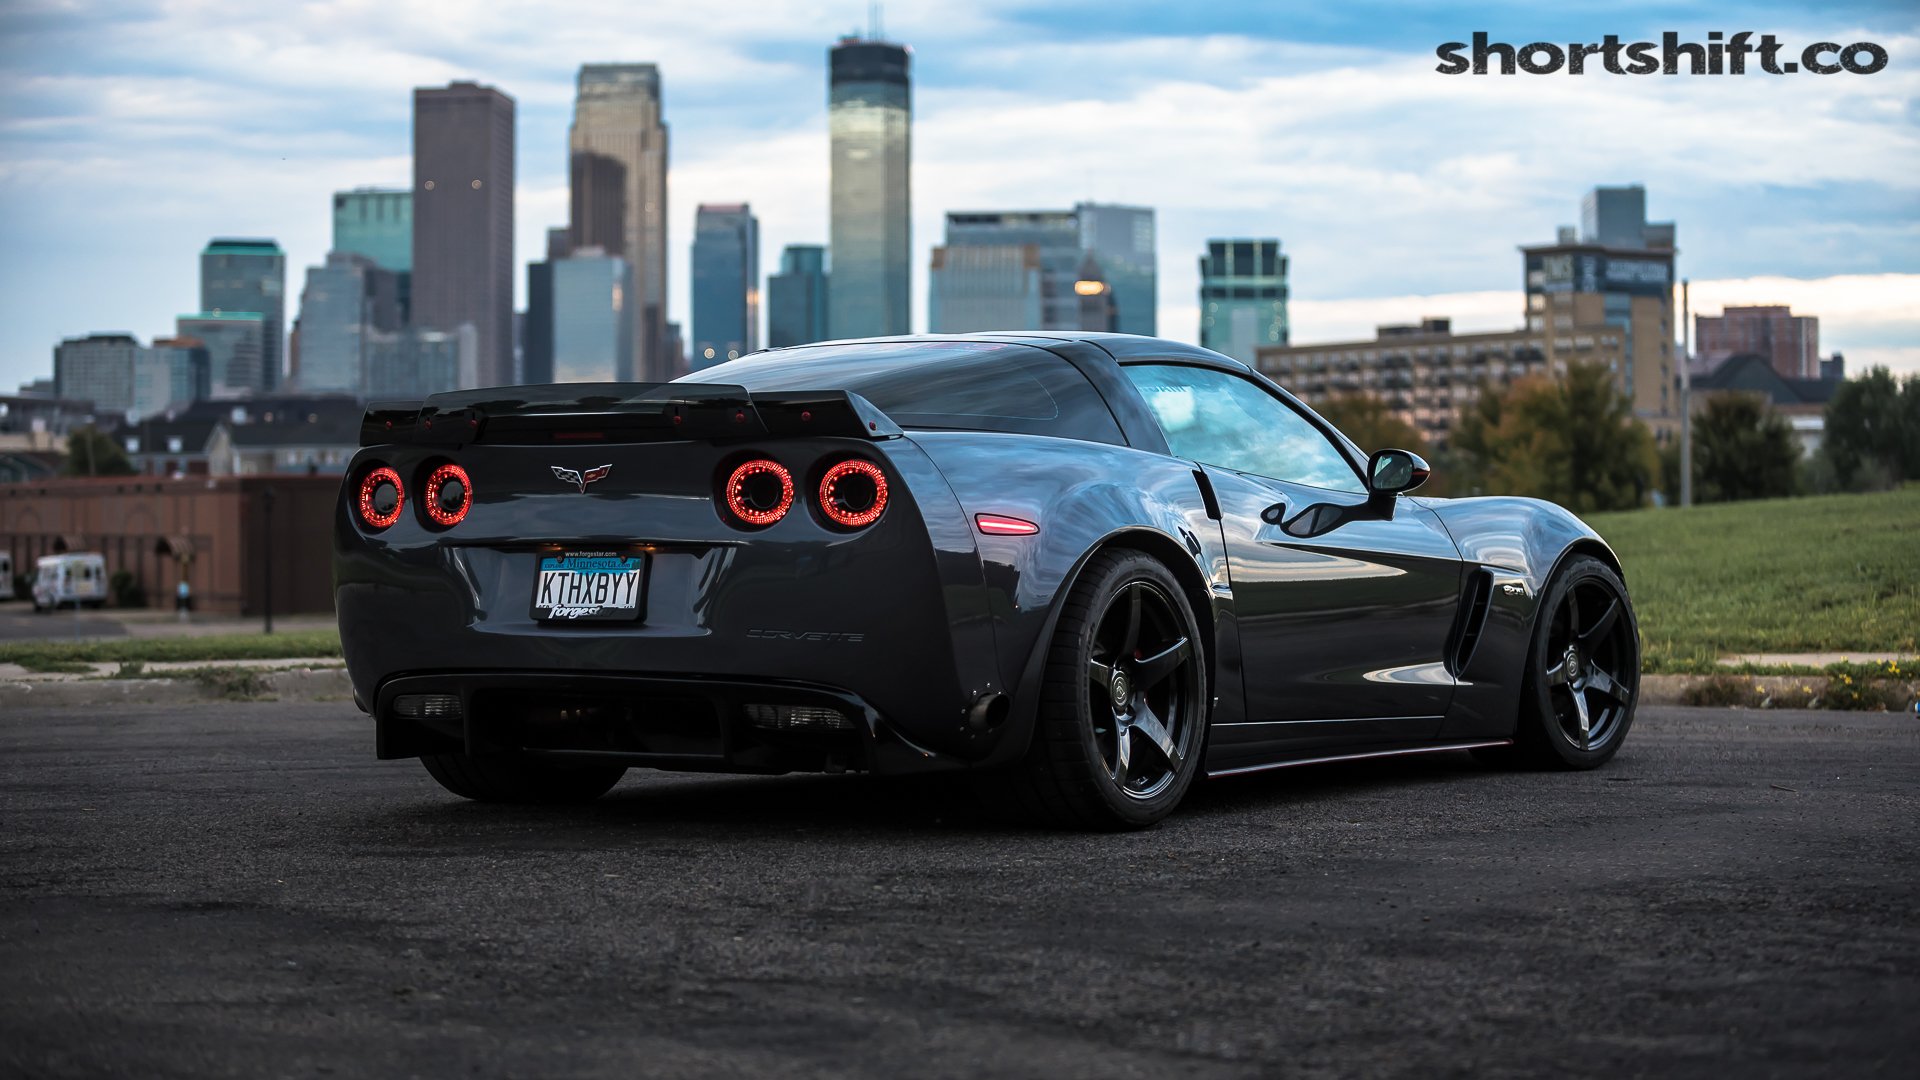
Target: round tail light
[[760, 492], [449, 495], [381, 497], [853, 493]]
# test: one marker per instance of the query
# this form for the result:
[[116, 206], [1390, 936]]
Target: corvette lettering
[[807, 635]]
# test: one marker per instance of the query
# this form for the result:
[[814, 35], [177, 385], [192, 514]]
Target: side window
[[1222, 419]]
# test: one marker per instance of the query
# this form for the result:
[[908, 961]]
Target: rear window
[[966, 386]]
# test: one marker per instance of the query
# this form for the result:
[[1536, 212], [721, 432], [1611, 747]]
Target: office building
[[1122, 239], [869, 119], [618, 173], [463, 220], [592, 327], [375, 224], [239, 275], [97, 368], [677, 350], [1243, 297], [726, 284], [797, 297], [171, 374], [977, 289], [982, 287], [1427, 375], [413, 363], [536, 330], [235, 352], [344, 301], [1790, 343], [1617, 272]]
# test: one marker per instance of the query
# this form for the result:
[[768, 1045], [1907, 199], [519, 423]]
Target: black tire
[[1582, 681], [1068, 778], [521, 778]]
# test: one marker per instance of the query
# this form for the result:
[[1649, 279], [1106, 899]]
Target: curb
[[328, 684]]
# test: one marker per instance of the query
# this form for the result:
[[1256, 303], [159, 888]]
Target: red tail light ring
[[760, 492], [449, 495], [381, 497], [853, 493]]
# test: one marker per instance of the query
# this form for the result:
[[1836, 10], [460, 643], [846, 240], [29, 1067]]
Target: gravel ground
[[241, 890]]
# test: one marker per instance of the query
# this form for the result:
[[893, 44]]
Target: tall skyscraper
[[1122, 239], [235, 353], [592, 328], [250, 276], [976, 287], [797, 297], [463, 220], [1243, 297], [726, 283], [618, 172], [536, 332], [1618, 273], [870, 117], [376, 224]]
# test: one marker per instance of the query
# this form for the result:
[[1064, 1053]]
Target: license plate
[[576, 586]]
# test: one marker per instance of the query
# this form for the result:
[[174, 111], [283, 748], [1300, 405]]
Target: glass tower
[[618, 180], [377, 224], [870, 116], [592, 326], [250, 276], [1121, 239], [726, 294], [797, 297], [1243, 297]]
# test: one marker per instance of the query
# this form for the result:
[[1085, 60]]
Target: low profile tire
[[1583, 670], [521, 778], [1123, 709]]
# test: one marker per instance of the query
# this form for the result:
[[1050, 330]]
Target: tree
[[1873, 426], [1742, 450], [1573, 441], [92, 452], [1368, 422]]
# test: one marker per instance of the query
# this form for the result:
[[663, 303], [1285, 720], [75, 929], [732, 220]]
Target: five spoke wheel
[[1585, 669], [1139, 689]]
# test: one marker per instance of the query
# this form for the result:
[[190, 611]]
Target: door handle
[[1275, 514]]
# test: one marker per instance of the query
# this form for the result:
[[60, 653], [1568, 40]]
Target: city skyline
[[1397, 192]]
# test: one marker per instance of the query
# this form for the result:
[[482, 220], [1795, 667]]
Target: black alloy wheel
[[1123, 713], [1139, 682], [1583, 673]]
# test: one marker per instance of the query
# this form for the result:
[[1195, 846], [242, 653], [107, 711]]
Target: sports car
[[1085, 569]]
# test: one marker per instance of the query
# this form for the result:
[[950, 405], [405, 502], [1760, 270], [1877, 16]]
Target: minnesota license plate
[[574, 586]]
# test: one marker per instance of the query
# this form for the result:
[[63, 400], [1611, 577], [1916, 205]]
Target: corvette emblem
[[575, 476]]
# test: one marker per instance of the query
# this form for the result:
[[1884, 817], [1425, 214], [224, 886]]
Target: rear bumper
[[665, 722]]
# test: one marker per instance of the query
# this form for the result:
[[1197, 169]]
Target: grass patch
[[1831, 573], [231, 683], [74, 655]]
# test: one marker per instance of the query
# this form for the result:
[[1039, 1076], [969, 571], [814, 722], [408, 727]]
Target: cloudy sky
[[131, 132]]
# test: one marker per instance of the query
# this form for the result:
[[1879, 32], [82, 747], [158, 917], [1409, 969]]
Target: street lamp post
[[266, 499]]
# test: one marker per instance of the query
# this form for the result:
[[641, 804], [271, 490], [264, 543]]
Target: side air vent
[[1473, 618]]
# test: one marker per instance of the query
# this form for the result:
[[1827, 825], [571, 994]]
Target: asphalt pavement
[[241, 890]]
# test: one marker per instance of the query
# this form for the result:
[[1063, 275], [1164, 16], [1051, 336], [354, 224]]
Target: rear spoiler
[[586, 413]]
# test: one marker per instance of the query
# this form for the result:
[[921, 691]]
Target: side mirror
[[1390, 472]]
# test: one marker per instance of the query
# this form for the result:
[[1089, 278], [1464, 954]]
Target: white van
[[77, 579], [6, 575]]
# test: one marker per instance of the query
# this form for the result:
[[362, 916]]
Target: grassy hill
[[1827, 573]]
